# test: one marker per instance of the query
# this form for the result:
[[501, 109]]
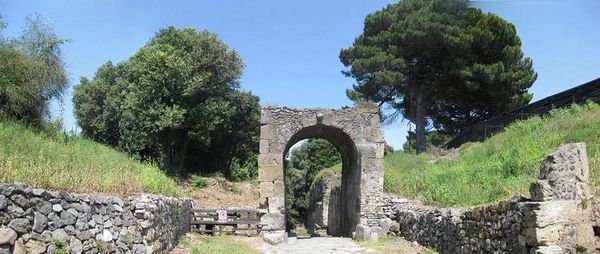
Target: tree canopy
[[32, 71], [177, 102], [438, 63]]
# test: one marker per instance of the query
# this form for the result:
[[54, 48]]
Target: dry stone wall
[[491, 228], [40, 221], [557, 219]]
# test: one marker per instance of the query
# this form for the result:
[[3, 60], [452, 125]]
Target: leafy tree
[[32, 72], [177, 102], [303, 164], [438, 62]]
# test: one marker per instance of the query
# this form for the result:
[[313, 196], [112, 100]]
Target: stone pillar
[[271, 186], [559, 218]]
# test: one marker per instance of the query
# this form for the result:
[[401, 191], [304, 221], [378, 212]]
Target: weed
[[199, 182], [59, 244], [127, 238]]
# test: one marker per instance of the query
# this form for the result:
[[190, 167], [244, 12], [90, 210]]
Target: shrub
[[199, 182]]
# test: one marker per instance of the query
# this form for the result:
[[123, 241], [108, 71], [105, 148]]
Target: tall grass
[[500, 167], [56, 161]]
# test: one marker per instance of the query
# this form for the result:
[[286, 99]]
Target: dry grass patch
[[61, 162], [198, 244]]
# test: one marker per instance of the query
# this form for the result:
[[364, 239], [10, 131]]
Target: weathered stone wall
[[495, 227], [40, 221], [557, 219], [355, 132], [324, 206]]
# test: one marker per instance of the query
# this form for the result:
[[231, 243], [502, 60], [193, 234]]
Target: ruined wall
[[40, 221], [495, 227], [557, 219], [324, 206]]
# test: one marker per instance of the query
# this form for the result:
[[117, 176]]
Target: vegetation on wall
[[438, 62], [175, 102]]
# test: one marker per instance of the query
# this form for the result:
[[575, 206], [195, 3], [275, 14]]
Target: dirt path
[[316, 245]]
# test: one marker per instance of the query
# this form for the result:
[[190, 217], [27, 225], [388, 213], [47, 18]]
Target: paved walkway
[[316, 245]]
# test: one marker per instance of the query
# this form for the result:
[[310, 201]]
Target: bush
[[247, 170], [199, 182]]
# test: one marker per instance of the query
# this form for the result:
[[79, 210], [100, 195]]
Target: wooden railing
[[232, 220]]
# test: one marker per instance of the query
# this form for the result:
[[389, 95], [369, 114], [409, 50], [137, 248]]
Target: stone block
[[273, 221], [385, 225], [266, 189], [275, 237], [394, 227], [19, 247], [543, 236], [362, 233], [276, 204], [263, 146], [278, 189], [564, 175], [553, 249], [543, 214], [374, 135], [7, 236], [585, 237], [270, 160], [270, 173], [266, 132]]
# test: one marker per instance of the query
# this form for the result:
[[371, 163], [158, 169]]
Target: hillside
[[499, 168], [56, 161]]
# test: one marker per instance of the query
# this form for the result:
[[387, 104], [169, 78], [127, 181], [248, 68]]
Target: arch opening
[[347, 212]]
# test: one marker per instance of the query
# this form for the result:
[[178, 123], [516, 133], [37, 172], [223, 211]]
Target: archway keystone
[[357, 135]]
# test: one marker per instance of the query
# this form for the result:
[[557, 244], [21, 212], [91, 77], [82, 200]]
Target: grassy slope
[[74, 164], [499, 168]]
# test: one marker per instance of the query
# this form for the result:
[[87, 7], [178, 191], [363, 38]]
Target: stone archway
[[355, 132]]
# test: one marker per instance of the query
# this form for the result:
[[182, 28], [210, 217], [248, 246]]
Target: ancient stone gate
[[355, 132]]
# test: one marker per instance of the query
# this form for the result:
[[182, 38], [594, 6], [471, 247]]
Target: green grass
[[391, 245], [219, 245], [500, 167], [335, 169], [55, 161]]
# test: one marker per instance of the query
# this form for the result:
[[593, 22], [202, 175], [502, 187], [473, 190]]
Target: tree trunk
[[182, 154], [420, 120]]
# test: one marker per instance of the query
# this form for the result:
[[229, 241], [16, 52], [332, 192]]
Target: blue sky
[[291, 48]]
